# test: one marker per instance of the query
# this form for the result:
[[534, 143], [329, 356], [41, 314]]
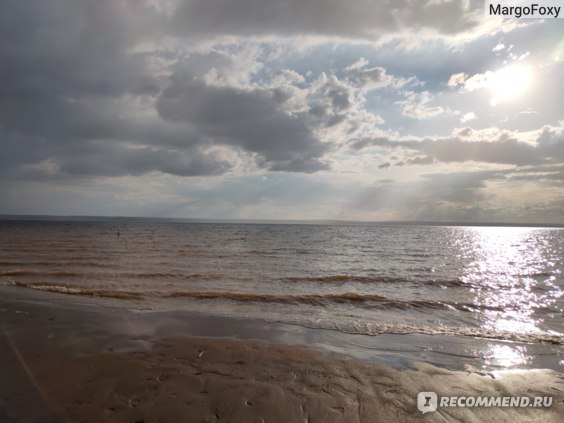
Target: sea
[[502, 284]]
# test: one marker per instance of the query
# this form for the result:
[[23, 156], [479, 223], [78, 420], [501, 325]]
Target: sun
[[510, 82]]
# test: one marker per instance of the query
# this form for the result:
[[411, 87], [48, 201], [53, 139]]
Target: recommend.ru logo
[[429, 401], [426, 401]]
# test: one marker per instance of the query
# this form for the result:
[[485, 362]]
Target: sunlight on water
[[508, 272], [498, 288], [505, 356]]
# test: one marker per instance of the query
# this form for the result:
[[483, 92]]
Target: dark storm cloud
[[71, 47], [247, 118], [65, 65], [115, 160], [341, 18], [70, 78]]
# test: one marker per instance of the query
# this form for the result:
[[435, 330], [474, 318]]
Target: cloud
[[550, 143], [486, 146], [416, 106], [466, 117], [77, 93], [364, 19], [186, 105], [433, 197], [424, 160], [286, 123], [116, 160], [251, 119], [468, 196], [368, 78], [506, 83], [73, 48], [72, 85], [457, 79]]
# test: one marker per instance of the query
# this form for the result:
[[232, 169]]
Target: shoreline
[[126, 319], [66, 361]]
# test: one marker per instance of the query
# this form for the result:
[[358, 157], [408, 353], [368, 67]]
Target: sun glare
[[510, 82]]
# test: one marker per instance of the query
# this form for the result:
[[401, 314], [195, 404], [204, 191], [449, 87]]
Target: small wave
[[56, 263], [74, 290], [416, 280], [25, 272], [372, 328], [361, 300], [165, 275], [343, 278], [376, 279], [158, 275], [285, 299], [364, 300], [17, 272], [123, 275], [356, 326]]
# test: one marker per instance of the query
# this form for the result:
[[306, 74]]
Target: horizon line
[[47, 217]]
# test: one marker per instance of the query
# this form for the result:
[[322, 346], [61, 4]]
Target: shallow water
[[499, 283]]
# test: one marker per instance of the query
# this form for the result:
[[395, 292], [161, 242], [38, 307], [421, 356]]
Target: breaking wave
[[372, 328], [361, 300], [350, 326]]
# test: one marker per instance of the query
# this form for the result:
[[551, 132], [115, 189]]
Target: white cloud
[[457, 79], [468, 117], [416, 105]]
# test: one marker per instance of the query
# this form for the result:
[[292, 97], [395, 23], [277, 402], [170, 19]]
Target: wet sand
[[63, 363]]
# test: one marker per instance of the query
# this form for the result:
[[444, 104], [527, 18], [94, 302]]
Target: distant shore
[[124, 219], [61, 363]]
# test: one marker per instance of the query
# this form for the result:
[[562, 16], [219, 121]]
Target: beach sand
[[61, 363]]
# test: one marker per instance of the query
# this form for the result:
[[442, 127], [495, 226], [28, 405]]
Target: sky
[[280, 109]]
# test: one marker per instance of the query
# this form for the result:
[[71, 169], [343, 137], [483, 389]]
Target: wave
[[25, 272], [361, 300], [354, 326], [364, 300], [376, 279], [74, 290], [69, 261], [118, 275], [348, 297], [342, 278], [373, 328], [165, 275]]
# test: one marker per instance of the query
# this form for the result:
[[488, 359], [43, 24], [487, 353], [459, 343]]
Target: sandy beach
[[60, 362]]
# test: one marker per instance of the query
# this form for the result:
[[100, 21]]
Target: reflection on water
[[506, 356], [487, 283], [512, 274]]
